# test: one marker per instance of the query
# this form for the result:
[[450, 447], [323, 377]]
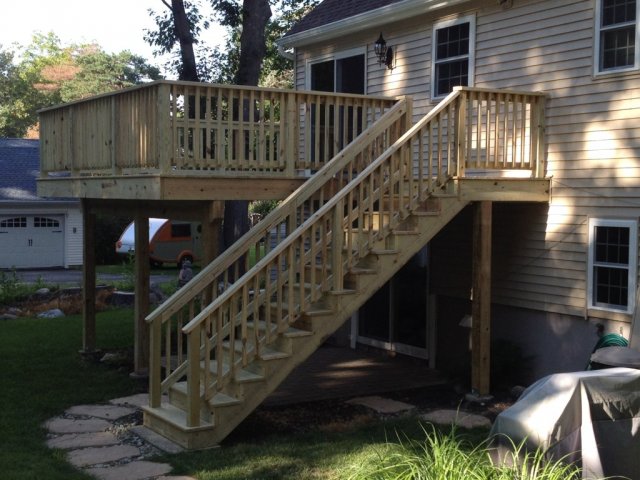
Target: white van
[[170, 241]]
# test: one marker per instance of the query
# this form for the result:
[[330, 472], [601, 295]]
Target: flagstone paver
[[83, 440], [106, 412], [94, 455], [382, 405], [457, 417], [137, 470], [71, 425]]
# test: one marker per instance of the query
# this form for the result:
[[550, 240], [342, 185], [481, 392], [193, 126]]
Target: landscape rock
[[55, 313], [8, 316]]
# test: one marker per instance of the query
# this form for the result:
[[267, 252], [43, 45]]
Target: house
[[34, 232], [439, 162], [559, 268]]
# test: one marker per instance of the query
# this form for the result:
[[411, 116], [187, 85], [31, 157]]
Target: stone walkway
[[109, 442]]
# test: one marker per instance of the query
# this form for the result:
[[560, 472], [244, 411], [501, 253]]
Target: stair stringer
[[385, 259]]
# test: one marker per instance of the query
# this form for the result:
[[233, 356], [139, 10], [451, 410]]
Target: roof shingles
[[19, 169], [330, 11]]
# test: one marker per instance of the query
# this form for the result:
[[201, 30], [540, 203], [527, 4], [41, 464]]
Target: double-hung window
[[612, 264], [617, 38], [453, 55]]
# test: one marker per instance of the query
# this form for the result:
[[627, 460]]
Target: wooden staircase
[[238, 330]]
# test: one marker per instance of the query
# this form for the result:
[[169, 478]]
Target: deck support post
[[141, 309], [211, 233], [481, 303], [88, 280]]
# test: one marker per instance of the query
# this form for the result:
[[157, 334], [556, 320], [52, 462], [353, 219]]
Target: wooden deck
[[373, 188]]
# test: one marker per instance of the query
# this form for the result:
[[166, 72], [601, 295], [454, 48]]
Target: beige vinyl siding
[[592, 133]]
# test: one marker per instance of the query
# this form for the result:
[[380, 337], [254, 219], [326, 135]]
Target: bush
[[12, 290]]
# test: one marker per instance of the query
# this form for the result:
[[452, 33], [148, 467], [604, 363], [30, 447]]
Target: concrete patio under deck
[[340, 372]]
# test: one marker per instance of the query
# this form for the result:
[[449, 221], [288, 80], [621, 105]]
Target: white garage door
[[31, 241]]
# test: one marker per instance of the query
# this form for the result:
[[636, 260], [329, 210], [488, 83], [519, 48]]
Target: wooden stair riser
[[188, 438], [340, 305]]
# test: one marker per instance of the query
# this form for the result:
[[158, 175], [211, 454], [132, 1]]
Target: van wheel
[[183, 259]]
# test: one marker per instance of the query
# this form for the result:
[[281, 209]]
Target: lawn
[[42, 374]]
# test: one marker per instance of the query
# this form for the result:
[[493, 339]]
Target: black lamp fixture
[[384, 53]]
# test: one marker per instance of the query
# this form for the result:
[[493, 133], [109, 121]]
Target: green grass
[[41, 375], [311, 455]]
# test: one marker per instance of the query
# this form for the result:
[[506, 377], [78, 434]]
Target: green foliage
[[12, 290], [263, 207], [219, 65], [42, 375], [46, 73], [107, 232], [448, 455]]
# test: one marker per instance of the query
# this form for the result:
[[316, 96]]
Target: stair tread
[[221, 399], [266, 353]]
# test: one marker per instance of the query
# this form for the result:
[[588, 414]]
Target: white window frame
[[336, 56], [471, 20], [632, 225], [597, 34]]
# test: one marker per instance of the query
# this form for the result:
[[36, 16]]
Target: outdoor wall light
[[384, 53]]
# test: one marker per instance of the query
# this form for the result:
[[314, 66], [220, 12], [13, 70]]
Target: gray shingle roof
[[330, 11], [19, 169]]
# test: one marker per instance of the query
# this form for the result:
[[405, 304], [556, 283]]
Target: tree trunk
[[255, 16], [182, 29]]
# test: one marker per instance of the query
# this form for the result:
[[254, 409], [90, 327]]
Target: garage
[[29, 241]]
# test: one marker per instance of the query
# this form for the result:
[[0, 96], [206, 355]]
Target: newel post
[[164, 135], [461, 132], [540, 136], [193, 378], [155, 359], [291, 139]]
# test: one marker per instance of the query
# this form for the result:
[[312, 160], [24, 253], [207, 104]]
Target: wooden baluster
[[337, 243], [193, 378]]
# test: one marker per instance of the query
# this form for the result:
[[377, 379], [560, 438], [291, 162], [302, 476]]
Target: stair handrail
[[328, 206], [216, 325], [276, 217], [201, 284], [391, 176]]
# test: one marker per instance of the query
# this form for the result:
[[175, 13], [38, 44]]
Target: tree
[[49, 73], [251, 40]]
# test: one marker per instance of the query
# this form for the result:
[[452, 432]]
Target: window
[[344, 73], [180, 230], [453, 55], [612, 264], [17, 222], [617, 35], [44, 222]]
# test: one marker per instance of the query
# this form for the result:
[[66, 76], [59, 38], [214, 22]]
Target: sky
[[115, 25]]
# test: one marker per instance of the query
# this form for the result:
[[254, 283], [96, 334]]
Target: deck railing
[[210, 328], [191, 128], [214, 281]]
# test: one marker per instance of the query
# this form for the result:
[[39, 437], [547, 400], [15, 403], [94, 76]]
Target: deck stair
[[237, 332]]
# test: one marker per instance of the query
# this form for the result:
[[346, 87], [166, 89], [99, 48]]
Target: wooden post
[[211, 230], [481, 304], [461, 133], [88, 280], [141, 330]]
